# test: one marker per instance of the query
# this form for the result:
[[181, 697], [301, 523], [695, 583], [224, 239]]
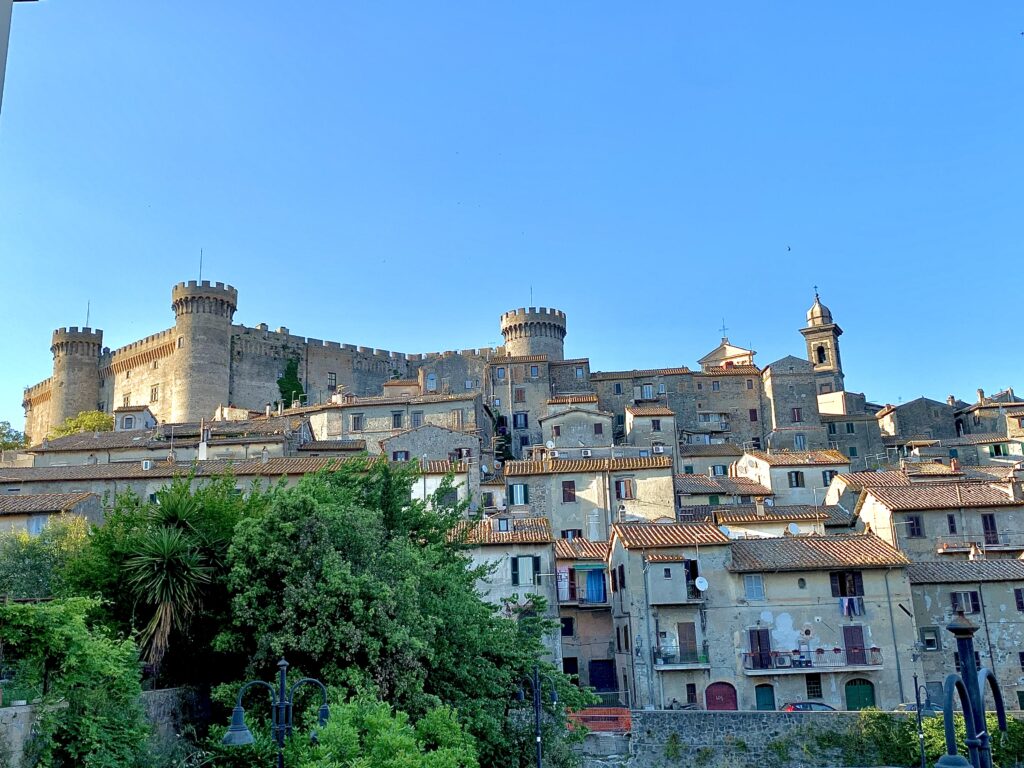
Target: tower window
[[579, 373], [822, 354], [181, 342], [154, 393]]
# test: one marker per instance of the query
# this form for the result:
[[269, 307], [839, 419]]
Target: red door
[[720, 696]]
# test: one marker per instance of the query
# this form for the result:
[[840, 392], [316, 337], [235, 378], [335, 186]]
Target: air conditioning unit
[[659, 449], [586, 453], [553, 454], [147, 464]]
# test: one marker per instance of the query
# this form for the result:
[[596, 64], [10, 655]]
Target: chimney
[[267, 411], [280, 407], [203, 447], [264, 455], [975, 553], [951, 401], [981, 395], [759, 506], [954, 464]]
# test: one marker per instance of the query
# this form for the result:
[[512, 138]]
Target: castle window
[[154, 393], [851, 428], [822, 355], [520, 420], [520, 395], [716, 385], [556, 431], [332, 381], [661, 388], [753, 414], [648, 391], [831, 427], [500, 373], [431, 382], [399, 455], [700, 385], [396, 419], [579, 372], [534, 371], [750, 383], [853, 451], [798, 414], [800, 442], [357, 422], [618, 387], [127, 375], [825, 388], [126, 400], [469, 384], [156, 364], [181, 342], [655, 425]]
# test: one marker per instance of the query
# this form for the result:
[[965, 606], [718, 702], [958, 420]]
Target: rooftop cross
[[723, 329]]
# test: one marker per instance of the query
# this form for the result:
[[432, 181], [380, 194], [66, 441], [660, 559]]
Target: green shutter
[[526, 494], [515, 571]]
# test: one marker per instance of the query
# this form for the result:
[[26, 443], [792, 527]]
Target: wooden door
[[760, 649], [720, 696], [853, 639], [687, 632], [765, 695], [860, 694]]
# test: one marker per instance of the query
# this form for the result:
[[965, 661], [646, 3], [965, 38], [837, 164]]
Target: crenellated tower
[[822, 337], [202, 355], [534, 331], [75, 386]]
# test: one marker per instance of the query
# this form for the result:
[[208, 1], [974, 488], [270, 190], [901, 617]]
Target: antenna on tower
[[88, 306], [200, 265], [723, 329], [531, 295]]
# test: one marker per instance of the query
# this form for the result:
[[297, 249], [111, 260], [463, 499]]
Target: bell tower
[[822, 337]]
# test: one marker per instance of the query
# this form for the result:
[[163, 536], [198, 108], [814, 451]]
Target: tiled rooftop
[[572, 399], [970, 571], [801, 553], [799, 458], [649, 410], [526, 530], [652, 535], [714, 450], [581, 549], [334, 445], [942, 496], [37, 503], [566, 466]]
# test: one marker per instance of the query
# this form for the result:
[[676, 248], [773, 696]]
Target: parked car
[[806, 706], [928, 709]]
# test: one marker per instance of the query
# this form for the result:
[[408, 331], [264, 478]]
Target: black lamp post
[[920, 725], [535, 685], [239, 735]]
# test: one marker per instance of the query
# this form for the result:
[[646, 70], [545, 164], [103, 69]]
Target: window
[[951, 523], [625, 637], [700, 386], [1018, 595], [999, 449], [915, 527], [519, 493], [827, 475], [534, 371], [332, 380], [431, 382], [954, 453], [504, 525], [623, 489], [688, 469], [396, 419], [416, 419], [968, 602], [988, 525], [821, 355], [691, 693], [615, 581], [519, 395], [661, 388], [647, 392], [128, 422], [469, 384], [568, 626], [713, 501], [813, 686], [357, 422], [620, 419], [525, 570], [500, 372], [719, 469], [520, 420], [556, 431], [798, 414], [655, 425], [579, 372], [851, 428], [852, 451], [181, 342], [977, 661], [1020, 658], [643, 453], [497, 402], [666, 573], [154, 393], [399, 455], [832, 428], [126, 400], [568, 491], [753, 586], [572, 533], [524, 441], [800, 442], [750, 383], [618, 388], [753, 414], [930, 638], [847, 583], [487, 497], [716, 385], [598, 428], [796, 479]]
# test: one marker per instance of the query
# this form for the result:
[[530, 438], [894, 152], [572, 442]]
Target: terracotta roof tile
[[859, 480], [509, 359], [736, 370], [649, 410], [525, 530], [444, 466], [713, 450], [572, 399], [599, 375], [716, 484], [581, 549], [743, 486], [696, 484], [943, 496], [33, 503], [799, 458], [565, 466], [652, 535], [978, 439], [971, 571], [802, 553], [334, 445], [747, 513]]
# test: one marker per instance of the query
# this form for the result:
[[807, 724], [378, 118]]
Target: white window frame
[[753, 586]]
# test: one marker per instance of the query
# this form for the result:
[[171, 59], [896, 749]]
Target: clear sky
[[398, 174]]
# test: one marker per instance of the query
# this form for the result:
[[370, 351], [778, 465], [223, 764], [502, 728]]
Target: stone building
[[29, 513], [794, 477]]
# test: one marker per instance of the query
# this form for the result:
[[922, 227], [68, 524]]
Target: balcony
[[965, 541], [669, 658], [578, 595], [797, 662]]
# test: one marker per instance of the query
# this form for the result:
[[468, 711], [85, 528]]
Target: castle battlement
[[194, 297], [77, 341], [156, 339], [524, 314], [534, 331]]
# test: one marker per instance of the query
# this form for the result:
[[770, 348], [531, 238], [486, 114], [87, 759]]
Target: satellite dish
[[724, 530], [701, 583], [793, 529], [483, 468], [550, 444]]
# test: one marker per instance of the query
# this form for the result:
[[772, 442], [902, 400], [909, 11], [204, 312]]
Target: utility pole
[[6, 8]]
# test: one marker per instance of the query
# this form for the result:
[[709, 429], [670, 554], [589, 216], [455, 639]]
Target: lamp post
[[920, 725], [239, 735], [534, 681]]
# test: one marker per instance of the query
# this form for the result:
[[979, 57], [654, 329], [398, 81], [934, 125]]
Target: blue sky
[[398, 174]]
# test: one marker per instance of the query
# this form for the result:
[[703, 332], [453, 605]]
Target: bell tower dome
[[822, 337]]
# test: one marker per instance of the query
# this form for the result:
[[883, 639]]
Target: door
[[570, 665], [853, 639], [988, 525], [687, 632], [760, 649], [765, 695], [602, 674], [720, 696], [860, 694]]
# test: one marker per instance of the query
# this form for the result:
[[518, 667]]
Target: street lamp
[[239, 735], [534, 682], [920, 725]]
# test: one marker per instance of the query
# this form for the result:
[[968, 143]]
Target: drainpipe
[[892, 628], [650, 646]]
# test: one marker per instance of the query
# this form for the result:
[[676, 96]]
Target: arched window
[[822, 354], [431, 382]]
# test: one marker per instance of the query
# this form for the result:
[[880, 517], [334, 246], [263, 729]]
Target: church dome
[[819, 314]]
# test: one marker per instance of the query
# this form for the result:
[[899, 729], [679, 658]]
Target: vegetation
[[10, 438], [289, 384], [86, 421], [35, 566]]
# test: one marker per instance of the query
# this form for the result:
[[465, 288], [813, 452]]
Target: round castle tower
[[202, 354], [534, 331], [76, 372]]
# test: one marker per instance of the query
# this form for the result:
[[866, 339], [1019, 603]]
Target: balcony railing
[[822, 658], [668, 654], [964, 541], [578, 594]]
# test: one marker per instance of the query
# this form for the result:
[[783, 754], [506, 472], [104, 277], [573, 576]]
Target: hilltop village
[[727, 536]]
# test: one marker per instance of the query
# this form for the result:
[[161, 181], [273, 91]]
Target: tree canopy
[[10, 438], [86, 421]]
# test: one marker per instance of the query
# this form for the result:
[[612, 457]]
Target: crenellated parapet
[[80, 342], [194, 297], [534, 331]]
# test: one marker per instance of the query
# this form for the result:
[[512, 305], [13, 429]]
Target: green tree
[[367, 589], [10, 438], [289, 384], [86, 421], [34, 566]]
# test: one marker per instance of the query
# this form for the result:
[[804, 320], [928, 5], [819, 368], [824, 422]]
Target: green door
[[860, 694], [765, 697]]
